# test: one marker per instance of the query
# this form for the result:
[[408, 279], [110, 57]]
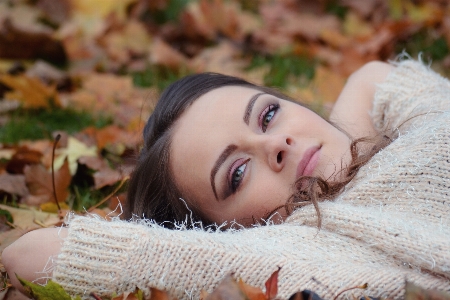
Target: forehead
[[201, 133]]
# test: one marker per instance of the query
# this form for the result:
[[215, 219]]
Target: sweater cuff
[[97, 254]]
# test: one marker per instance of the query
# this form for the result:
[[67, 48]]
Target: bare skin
[[29, 255]]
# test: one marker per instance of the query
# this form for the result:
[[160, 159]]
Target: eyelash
[[267, 110], [234, 186]]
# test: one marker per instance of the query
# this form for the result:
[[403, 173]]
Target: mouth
[[309, 161]]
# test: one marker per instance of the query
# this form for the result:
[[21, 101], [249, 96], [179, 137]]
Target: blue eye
[[267, 116], [236, 177]]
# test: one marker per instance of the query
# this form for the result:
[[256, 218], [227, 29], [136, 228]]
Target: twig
[[122, 182], [57, 138]]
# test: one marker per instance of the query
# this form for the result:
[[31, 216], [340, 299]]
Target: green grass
[[283, 67], [427, 42], [157, 76], [333, 7], [39, 124], [169, 13]]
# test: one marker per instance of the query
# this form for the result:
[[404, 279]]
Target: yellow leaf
[[395, 9], [75, 149], [102, 8], [31, 92], [51, 207], [426, 12]]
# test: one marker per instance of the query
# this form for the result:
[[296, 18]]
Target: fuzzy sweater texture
[[391, 224]]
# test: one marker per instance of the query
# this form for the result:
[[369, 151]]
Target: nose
[[274, 150]]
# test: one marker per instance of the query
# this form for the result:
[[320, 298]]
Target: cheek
[[266, 196]]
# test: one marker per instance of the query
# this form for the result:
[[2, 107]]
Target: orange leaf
[[159, 295], [30, 91], [253, 293], [272, 285]]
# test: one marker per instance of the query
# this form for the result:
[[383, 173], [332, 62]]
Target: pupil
[[268, 118], [238, 174]]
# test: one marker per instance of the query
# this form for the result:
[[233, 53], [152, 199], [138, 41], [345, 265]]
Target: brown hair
[[152, 192]]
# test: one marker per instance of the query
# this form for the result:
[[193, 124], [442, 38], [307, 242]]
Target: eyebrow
[[248, 110], [231, 148]]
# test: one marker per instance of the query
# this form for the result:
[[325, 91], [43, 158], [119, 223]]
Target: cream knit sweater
[[391, 224]]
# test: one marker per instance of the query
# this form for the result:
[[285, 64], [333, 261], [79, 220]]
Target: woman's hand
[[353, 106], [31, 256]]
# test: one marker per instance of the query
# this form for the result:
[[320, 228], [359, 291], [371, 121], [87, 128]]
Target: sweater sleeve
[[107, 257], [412, 90]]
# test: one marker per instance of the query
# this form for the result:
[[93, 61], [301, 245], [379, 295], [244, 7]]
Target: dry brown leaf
[[364, 8], [22, 157], [130, 41], [163, 54], [223, 58], [13, 184], [39, 182], [25, 220], [308, 26], [414, 292], [227, 289], [104, 175], [23, 37], [109, 135]]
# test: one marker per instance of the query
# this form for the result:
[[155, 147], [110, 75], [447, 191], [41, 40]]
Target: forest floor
[[79, 79]]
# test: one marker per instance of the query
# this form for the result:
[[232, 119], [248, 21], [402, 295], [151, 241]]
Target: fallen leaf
[[126, 43], [22, 157], [7, 153], [414, 292], [23, 37], [39, 182], [163, 54], [157, 294], [31, 92], [25, 220], [74, 150], [51, 290], [51, 207], [104, 175], [272, 285], [252, 293], [228, 288], [13, 184]]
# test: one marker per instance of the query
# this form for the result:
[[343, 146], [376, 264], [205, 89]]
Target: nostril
[[279, 157], [288, 141]]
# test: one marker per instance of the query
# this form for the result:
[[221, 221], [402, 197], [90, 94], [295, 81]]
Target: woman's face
[[236, 153]]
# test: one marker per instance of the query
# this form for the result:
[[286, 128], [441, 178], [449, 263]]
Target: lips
[[309, 161]]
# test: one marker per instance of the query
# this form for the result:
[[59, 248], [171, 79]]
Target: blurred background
[[90, 71]]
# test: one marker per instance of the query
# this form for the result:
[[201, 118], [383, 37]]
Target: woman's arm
[[33, 253], [353, 106]]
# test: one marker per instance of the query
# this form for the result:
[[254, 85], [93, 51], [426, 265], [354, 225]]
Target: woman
[[237, 155]]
